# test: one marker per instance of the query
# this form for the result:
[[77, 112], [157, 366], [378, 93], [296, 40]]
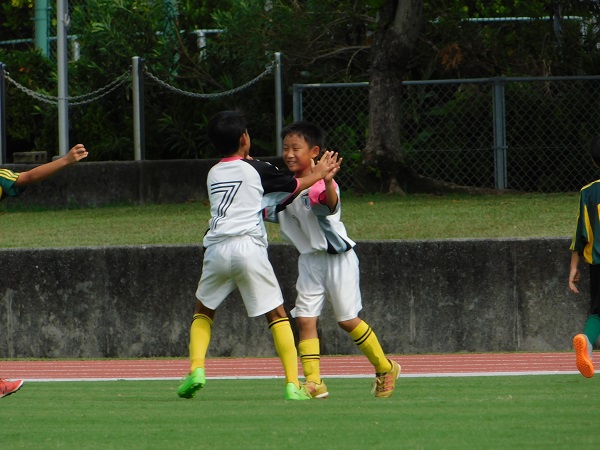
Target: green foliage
[[462, 45], [15, 22], [183, 140], [436, 135], [31, 123], [557, 133], [110, 33], [319, 41]]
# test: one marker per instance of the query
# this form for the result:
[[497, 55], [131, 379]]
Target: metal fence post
[[297, 102], [278, 104], [41, 26], [499, 134], [62, 20], [3, 149], [139, 144]]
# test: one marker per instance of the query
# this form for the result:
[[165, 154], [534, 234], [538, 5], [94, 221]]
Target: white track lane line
[[264, 377]]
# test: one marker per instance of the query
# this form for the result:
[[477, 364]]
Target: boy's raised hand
[[335, 169], [76, 154], [327, 164]]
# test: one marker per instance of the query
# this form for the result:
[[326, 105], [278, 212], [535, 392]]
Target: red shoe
[[9, 387]]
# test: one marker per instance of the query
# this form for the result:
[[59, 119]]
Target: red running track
[[331, 367]]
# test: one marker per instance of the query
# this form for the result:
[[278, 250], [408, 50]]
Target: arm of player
[[574, 274], [44, 171], [331, 196], [328, 163], [269, 213]]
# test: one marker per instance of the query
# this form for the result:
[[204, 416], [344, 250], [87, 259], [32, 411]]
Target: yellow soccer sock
[[367, 342], [283, 337], [199, 340], [310, 357]]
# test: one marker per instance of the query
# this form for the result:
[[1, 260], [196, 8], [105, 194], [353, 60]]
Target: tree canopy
[[321, 42]]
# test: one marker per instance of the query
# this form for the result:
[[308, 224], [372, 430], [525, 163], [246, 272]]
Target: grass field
[[524, 412], [367, 217]]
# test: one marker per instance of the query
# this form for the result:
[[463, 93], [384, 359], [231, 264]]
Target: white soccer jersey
[[239, 189], [310, 225]]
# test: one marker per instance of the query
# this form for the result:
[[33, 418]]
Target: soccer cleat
[[583, 355], [192, 383], [9, 387], [294, 393], [384, 383], [316, 390]]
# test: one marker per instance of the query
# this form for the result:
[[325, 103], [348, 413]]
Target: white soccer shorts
[[239, 262], [322, 277]]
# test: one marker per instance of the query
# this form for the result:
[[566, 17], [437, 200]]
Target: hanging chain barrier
[[133, 79], [171, 88], [110, 87], [75, 100]]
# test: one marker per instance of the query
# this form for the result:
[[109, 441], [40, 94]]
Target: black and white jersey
[[239, 189], [309, 224]]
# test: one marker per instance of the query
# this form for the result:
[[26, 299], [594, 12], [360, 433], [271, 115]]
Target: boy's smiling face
[[299, 155]]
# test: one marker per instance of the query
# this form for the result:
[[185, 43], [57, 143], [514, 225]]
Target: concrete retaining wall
[[419, 297]]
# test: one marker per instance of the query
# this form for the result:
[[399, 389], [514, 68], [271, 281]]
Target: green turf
[[551, 411], [367, 217]]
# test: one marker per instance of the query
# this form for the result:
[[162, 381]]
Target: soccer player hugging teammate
[[235, 254], [328, 266]]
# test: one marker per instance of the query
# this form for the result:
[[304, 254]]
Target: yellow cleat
[[316, 390], [385, 383]]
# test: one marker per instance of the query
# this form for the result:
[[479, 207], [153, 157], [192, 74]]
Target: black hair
[[312, 134], [225, 130], [595, 150]]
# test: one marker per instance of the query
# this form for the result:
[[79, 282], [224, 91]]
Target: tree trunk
[[384, 166]]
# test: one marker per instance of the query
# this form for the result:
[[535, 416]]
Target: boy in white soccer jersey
[[235, 245], [328, 267], [13, 184]]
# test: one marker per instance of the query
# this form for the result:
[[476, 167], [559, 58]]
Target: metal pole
[[278, 104], [75, 48], [3, 149], [41, 26], [62, 23], [139, 144], [499, 134], [297, 102], [201, 41]]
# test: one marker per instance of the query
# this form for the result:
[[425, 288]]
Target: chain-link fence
[[528, 134]]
